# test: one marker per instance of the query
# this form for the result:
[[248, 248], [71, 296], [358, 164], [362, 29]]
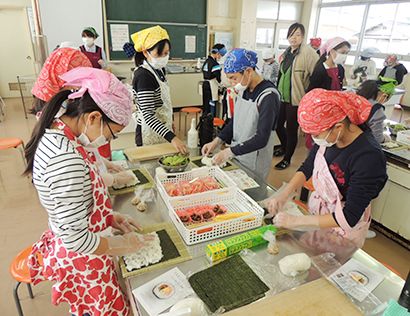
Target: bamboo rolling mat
[[143, 176]]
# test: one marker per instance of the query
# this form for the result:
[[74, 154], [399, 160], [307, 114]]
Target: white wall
[[64, 20], [15, 3]]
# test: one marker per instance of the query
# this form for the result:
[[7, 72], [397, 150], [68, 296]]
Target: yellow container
[[229, 246]]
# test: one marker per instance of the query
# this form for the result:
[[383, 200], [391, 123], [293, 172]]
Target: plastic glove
[[127, 243], [387, 138], [112, 166], [291, 221], [179, 145], [122, 178], [101, 62], [222, 156], [108, 179], [207, 148], [280, 198], [125, 222], [407, 121]]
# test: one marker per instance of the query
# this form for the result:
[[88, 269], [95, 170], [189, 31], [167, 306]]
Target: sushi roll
[[219, 209]]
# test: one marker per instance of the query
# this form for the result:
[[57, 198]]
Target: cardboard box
[[229, 246]]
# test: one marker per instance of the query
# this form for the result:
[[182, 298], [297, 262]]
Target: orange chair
[[7, 143], [187, 111], [218, 122], [391, 269], [306, 188], [21, 273]]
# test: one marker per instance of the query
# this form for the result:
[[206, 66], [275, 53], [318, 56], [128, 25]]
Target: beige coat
[[302, 68]]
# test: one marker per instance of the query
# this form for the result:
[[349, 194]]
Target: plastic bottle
[[192, 135], [198, 64], [404, 299]]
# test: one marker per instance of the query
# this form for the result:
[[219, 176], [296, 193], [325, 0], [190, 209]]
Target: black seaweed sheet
[[231, 284], [141, 177], [199, 163], [169, 250]]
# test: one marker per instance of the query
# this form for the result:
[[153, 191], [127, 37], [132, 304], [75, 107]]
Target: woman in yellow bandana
[[154, 105]]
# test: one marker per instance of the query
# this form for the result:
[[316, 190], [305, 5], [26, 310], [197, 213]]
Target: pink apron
[[87, 282], [327, 199]]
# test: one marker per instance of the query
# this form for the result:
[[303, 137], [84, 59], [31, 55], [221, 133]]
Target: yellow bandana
[[147, 38]]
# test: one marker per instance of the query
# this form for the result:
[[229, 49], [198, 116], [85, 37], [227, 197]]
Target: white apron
[[214, 89], [163, 113], [327, 199], [244, 128]]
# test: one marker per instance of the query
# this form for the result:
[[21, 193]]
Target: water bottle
[[404, 299], [192, 136]]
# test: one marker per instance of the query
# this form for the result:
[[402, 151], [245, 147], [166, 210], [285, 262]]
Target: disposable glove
[[291, 221], [112, 166], [127, 243], [275, 203], [125, 223], [122, 178], [207, 148], [222, 156]]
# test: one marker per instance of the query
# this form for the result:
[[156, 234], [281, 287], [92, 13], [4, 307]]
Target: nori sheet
[[169, 250], [198, 162], [141, 177], [231, 284]]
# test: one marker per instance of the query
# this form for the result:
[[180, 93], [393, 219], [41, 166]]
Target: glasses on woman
[[114, 136]]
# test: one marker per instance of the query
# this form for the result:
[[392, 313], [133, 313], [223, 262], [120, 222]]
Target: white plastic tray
[[215, 172], [403, 137], [233, 198]]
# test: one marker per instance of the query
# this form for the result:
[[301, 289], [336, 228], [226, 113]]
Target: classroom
[[203, 157]]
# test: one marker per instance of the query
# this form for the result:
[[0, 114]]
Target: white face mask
[[324, 142], [339, 59], [88, 41], [85, 141], [159, 62], [239, 86]]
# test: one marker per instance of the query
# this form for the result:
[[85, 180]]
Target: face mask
[[240, 87], [159, 62], [339, 59], [324, 142], [85, 141], [88, 41]]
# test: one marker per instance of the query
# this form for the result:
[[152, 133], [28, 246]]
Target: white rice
[[145, 256], [292, 208], [131, 183]]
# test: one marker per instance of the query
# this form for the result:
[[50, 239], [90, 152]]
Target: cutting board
[[149, 152], [318, 297]]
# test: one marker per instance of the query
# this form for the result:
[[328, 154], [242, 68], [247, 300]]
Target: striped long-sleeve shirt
[[63, 183], [149, 100]]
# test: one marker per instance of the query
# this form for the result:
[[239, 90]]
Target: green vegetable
[[176, 160]]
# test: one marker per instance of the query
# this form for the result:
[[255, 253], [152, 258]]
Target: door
[[16, 57], [281, 42]]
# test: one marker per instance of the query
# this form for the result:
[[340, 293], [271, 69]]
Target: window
[[267, 10], [290, 11], [264, 38]]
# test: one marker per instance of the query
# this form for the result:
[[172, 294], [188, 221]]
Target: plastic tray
[[403, 137], [233, 198], [220, 176]]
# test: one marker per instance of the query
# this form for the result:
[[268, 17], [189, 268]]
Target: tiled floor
[[23, 219]]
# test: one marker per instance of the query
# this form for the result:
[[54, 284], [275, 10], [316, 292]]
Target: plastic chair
[[218, 122], [21, 273], [187, 111], [391, 269], [7, 143]]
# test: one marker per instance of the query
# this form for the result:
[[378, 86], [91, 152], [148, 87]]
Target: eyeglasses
[[113, 135]]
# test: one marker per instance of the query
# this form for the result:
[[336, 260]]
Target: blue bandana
[[239, 60], [222, 51], [129, 50]]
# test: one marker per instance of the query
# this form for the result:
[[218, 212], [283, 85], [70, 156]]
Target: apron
[[163, 113], [244, 128], [93, 57], [390, 73], [214, 89], [327, 199], [87, 282]]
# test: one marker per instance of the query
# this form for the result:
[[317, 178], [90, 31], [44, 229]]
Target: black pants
[[288, 135]]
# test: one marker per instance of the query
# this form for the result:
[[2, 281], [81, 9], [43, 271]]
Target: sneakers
[[282, 165], [278, 152]]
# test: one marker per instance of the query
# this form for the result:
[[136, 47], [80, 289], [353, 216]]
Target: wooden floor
[[23, 219]]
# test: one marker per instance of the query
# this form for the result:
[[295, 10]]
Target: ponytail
[[321, 60], [75, 109]]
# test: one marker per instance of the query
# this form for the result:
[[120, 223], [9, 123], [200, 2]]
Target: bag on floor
[[206, 129]]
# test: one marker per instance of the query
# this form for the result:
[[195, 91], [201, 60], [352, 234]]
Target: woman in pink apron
[[347, 166], [78, 249]]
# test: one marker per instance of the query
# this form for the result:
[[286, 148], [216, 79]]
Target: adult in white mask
[[347, 167], [94, 53], [256, 113], [151, 88]]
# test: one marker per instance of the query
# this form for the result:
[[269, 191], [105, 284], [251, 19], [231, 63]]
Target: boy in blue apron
[[256, 113]]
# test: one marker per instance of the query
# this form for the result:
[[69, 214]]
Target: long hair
[[76, 108], [368, 89], [139, 56]]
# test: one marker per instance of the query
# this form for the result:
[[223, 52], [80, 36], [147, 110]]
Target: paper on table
[[356, 279], [163, 291], [242, 179]]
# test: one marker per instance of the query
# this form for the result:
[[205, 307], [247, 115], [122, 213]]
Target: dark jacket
[[321, 79]]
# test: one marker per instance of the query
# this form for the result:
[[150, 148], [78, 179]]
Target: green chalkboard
[[172, 11], [178, 17], [177, 36]]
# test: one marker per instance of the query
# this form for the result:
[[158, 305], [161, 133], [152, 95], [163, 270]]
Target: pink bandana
[[330, 44], [320, 109], [59, 62], [112, 97]]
